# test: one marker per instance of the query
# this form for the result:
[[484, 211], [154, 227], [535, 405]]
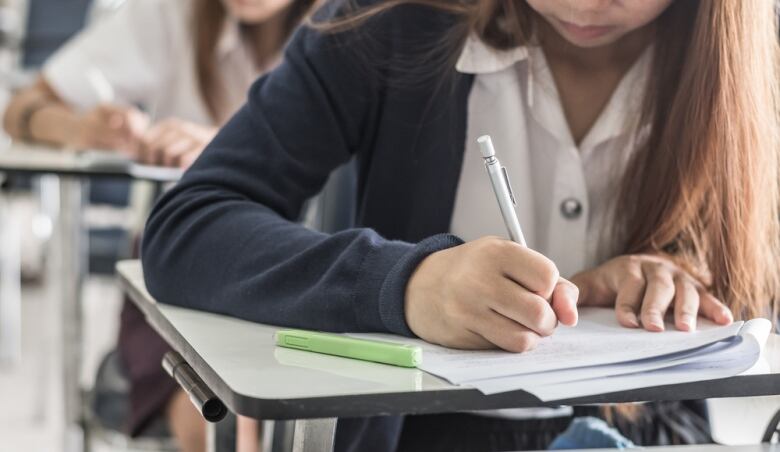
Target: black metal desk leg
[[221, 426], [773, 429]]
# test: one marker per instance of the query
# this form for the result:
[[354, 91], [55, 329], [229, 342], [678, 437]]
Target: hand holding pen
[[489, 292]]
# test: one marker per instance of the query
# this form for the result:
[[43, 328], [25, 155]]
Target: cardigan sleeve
[[224, 238]]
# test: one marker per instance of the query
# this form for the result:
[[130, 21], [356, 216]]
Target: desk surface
[[240, 363], [22, 158]]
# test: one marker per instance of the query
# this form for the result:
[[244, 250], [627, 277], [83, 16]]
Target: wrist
[[27, 116], [418, 288], [392, 295], [55, 124]]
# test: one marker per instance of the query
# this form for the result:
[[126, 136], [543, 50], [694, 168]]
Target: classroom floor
[[30, 386]]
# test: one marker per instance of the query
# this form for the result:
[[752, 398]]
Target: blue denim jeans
[[590, 433]]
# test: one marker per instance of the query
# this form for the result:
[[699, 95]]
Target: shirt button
[[571, 208]]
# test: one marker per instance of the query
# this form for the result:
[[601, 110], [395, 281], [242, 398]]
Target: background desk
[[240, 363], [68, 259]]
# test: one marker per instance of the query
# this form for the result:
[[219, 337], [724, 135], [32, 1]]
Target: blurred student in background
[[155, 80]]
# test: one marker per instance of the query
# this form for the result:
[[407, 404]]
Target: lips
[[587, 32]]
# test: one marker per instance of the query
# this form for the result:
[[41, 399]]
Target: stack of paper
[[600, 356]]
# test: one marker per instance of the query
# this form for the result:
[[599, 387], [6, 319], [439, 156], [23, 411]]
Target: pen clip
[[508, 185]]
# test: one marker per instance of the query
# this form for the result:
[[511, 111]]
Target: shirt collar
[[479, 58], [541, 94]]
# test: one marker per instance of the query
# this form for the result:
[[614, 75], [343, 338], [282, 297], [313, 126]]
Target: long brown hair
[[704, 185], [207, 23]]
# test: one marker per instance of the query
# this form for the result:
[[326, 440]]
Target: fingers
[[629, 296], [173, 152], [469, 340], [711, 308], [650, 285], [160, 138], [460, 292], [523, 307], [175, 143], [659, 294], [564, 302], [115, 127], [506, 333], [686, 304], [527, 267], [128, 122]]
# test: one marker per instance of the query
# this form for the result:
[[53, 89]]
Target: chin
[[250, 12], [590, 42], [593, 43]]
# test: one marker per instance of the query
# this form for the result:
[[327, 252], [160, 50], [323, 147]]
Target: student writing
[[643, 141]]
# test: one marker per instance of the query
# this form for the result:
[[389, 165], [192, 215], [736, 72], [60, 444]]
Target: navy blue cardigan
[[225, 240]]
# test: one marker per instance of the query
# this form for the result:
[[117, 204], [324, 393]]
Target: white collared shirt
[[563, 191], [143, 54]]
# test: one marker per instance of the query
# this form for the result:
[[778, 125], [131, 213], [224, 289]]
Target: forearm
[[35, 114], [231, 256]]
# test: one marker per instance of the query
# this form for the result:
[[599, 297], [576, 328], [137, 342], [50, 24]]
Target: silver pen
[[501, 187]]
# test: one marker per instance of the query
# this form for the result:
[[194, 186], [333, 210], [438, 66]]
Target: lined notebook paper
[[599, 356]]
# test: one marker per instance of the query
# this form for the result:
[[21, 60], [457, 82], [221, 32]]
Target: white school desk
[[239, 362], [72, 172]]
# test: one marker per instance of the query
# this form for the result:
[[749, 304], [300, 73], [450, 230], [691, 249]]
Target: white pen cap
[[486, 146]]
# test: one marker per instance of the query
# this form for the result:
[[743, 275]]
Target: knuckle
[[548, 275], [651, 312], [525, 341], [489, 246], [659, 276], [664, 284], [499, 246], [633, 277], [632, 260], [536, 314], [574, 290], [652, 269]]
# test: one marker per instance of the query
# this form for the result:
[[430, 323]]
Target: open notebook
[[600, 356]]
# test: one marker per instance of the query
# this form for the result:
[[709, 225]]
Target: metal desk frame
[[315, 418], [70, 179]]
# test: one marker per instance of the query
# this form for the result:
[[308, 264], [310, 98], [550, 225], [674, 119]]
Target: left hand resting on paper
[[174, 142], [644, 287]]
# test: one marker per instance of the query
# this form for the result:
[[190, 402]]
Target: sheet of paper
[[720, 360], [705, 369], [525, 381], [597, 339]]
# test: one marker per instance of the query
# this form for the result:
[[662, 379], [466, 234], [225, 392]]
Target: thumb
[[564, 302]]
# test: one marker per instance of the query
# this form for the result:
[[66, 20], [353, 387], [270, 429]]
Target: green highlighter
[[383, 352]]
